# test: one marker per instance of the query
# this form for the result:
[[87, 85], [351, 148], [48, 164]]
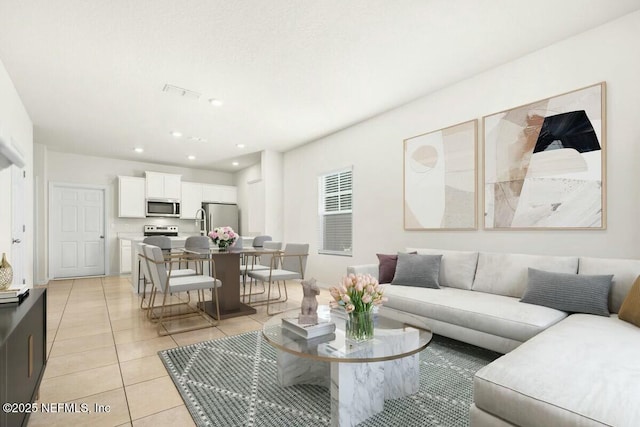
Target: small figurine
[[308, 311]]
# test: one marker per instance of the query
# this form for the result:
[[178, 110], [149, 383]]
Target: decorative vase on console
[[358, 295], [6, 273], [223, 237]]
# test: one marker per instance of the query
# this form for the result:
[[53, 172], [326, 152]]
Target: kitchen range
[[161, 230]]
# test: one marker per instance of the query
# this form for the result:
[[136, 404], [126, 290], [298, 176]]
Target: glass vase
[[360, 326], [223, 245]]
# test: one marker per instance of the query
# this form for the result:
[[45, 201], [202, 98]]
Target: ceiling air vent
[[180, 91]]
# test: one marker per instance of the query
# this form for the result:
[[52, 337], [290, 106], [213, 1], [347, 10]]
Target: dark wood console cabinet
[[23, 348]]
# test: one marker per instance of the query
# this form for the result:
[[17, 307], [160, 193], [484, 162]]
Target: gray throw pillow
[[573, 293], [417, 270]]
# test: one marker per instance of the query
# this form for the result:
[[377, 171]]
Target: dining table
[[227, 269]]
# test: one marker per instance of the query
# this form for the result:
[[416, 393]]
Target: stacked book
[[14, 294], [308, 331]]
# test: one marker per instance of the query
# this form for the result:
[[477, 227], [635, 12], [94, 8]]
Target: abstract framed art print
[[440, 179], [544, 163]]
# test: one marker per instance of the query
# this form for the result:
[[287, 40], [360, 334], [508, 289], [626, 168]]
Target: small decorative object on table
[[308, 310], [358, 294], [6, 272], [223, 237]]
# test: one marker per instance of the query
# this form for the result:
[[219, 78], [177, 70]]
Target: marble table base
[[358, 390]]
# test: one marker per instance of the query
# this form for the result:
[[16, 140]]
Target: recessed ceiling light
[[138, 150], [176, 134], [191, 157], [235, 163], [240, 145], [216, 102]]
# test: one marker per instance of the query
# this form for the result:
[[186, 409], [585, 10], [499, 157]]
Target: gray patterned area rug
[[232, 381]]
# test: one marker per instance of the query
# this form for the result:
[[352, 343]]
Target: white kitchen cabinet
[[191, 199], [125, 256], [219, 193], [229, 194], [163, 185], [131, 201], [172, 186]]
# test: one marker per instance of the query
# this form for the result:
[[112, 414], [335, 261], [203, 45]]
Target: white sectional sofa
[[559, 369]]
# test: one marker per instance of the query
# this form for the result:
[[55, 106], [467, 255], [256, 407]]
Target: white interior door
[[17, 225], [77, 231]]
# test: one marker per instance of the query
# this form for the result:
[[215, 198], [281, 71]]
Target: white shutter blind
[[335, 222]]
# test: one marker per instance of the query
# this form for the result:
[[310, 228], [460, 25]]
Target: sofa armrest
[[371, 269]]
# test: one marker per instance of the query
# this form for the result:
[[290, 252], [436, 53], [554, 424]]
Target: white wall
[[375, 149], [16, 126], [40, 208], [272, 177], [243, 180], [261, 196], [89, 170]]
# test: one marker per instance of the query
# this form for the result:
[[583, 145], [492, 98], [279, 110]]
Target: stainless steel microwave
[[163, 207]]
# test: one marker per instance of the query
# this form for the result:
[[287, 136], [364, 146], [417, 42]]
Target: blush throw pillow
[[630, 309], [573, 293], [417, 270]]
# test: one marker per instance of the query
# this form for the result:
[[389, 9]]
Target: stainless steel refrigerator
[[221, 215]]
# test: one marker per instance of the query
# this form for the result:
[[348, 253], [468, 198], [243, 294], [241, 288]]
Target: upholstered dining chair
[[258, 241], [166, 285], [259, 262], [237, 245], [198, 247], [163, 242], [144, 274], [293, 263]]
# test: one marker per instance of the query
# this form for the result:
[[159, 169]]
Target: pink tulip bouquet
[[357, 293]]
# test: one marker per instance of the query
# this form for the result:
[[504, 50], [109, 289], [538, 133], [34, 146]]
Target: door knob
[[102, 237], [16, 241]]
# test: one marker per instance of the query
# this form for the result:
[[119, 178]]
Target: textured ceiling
[[91, 72]]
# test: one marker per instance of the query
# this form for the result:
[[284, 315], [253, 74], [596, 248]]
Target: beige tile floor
[[102, 350]]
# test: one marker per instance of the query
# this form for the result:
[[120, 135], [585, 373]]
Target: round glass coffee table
[[360, 375]]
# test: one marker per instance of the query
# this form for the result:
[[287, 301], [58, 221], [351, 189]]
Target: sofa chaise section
[[582, 371]]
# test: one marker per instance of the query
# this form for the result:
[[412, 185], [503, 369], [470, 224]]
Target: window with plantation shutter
[[335, 215]]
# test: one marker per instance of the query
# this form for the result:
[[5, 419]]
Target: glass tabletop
[[392, 339]]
